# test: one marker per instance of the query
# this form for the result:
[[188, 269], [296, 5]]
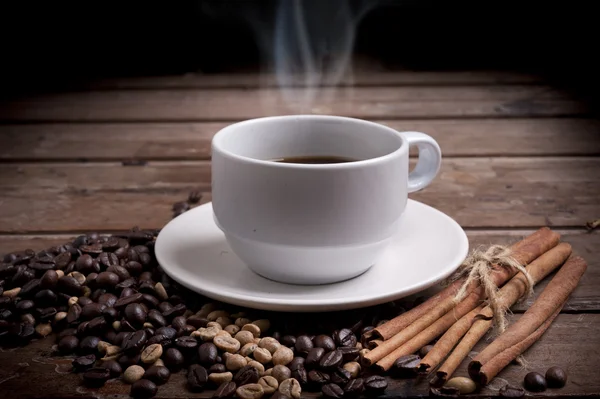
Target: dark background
[[57, 44]]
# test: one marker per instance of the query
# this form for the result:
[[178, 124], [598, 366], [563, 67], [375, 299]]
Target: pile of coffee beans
[[118, 315]]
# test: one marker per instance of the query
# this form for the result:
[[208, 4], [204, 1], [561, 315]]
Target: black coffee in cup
[[315, 159]]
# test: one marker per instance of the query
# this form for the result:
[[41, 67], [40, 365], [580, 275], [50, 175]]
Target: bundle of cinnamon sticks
[[459, 325]]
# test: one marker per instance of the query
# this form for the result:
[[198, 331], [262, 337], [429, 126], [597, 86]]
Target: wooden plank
[[235, 104], [191, 141], [585, 298], [571, 342], [477, 192], [358, 78]]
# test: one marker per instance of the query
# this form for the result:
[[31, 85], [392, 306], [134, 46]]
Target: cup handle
[[429, 162]]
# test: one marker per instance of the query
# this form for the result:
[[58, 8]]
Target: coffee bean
[[25, 305], [157, 374], [331, 360], [444, 392], [129, 360], [110, 314], [156, 318], [70, 286], [217, 368], [30, 288], [83, 362], [125, 325], [168, 332], [250, 391], [269, 384], [463, 384], [97, 326], [300, 375], [325, 342], [173, 359], [291, 388], [107, 280], [49, 280], [535, 382], [135, 314], [508, 391], [207, 354], [119, 271], [282, 356], [332, 391], [279, 395], [92, 310], [556, 377], [133, 373], [345, 337], [299, 362], [178, 322], [143, 389], [66, 332], [186, 344], [318, 378], [96, 377], [62, 260], [289, 341], [353, 368], [197, 378], [133, 343], [246, 375], [375, 384], [225, 390], [25, 318], [84, 301], [124, 301], [46, 313], [253, 328], [198, 322], [340, 376], [68, 344], [407, 365], [133, 266], [108, 259], [88, 344], [281, 372], [354, 388], [303, 344], [151, 353], [175, 311], [113, 367], [262, 355], [220, 378], [107, 299], [349, 354], [228, 344]]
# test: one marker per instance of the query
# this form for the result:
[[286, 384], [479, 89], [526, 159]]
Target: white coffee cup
[[314, 223]]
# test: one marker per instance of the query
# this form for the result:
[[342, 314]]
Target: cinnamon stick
[[523, 251], [553, 297], [530, 247], [476, 323]]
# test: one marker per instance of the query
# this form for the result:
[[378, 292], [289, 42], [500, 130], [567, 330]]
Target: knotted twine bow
[[478, 267]]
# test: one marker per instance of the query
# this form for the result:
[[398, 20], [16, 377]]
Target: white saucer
[[193, 251]]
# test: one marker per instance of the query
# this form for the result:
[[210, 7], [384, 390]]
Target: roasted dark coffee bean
[[135, 314], [127, 326], [107, 280], [168, 332], [197, 378], [110, 314], [178, 322], [92, 310], [147, 287], [91, 249], [375, 384], [89, 344], [69, 285], [21, 276], [175, 311], [83, 362], [289, 341], [135, 342], [556, 377], [157, 374], [25, 305], [217, 368], [127, 292], [246, 375], [119, 271], [111, 244], [143, 389], [145, 259], [108, 259], [197, 321], [49, 280], [349, 354], [149, 300], [66, 332], [149, 331], [407, 364], [354, 388], [207, 354], [303, 344], [46, 313], [134, 267], [84, 301], [121, 253], [331, 360], [110, 336], [124, 301], [107, 299], [186, 344], [96, 377], [41, 267], [173, 359], [332, 391], [85, 264], [535, 382], [113, 367], [79, 241], [300, 375], [159, 339], [30, 288], [318, 377], [340, 376], [297, 362], [325, 342], [68, 344], [164, 306], [314, 357], [97, 325], [127, 360], [4, 301], [345, 337], [6, 314], [133, 256], [125, 284], [82, 329], [97, 293], [508, 391], [227, 390]]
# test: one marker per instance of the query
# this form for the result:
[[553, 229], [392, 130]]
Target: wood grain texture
[[585, 298], [358, 78], [234, 104], [477, 192], [191, 141], [20, 367]]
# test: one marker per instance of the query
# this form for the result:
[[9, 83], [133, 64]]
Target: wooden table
[[518, 154]]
